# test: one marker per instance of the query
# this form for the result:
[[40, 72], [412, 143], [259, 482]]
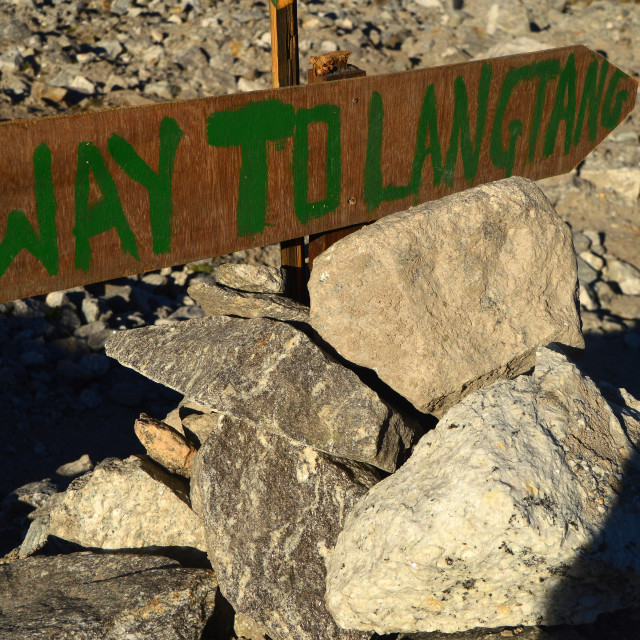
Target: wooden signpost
[[93, 196]]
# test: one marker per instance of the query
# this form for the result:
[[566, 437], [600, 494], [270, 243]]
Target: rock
[[71, 81], [246, 627], [625, 275], [100, 597], [582, 243], [251, 277], [33, 494], [127, 504], [164, 444], [187, 312], [77, 467], [200, 425], [478, 280], [588, 299], [514, 510], [586, 273], [35, 539], [272, 510], [593, 260], [270, 374], [219, 301]]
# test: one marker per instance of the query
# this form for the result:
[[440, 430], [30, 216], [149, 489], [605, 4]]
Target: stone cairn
[[415, 453]]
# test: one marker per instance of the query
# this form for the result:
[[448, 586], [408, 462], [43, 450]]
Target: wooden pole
[[284, 43], [324, 68], [285, 70]]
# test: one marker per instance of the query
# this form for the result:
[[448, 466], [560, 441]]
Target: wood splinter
[[332, 66], [330, 62]]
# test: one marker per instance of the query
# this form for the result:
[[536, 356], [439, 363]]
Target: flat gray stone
[[219, 301], [251, 277], [85, 596], [446, 297], [272, 375], [520, 508], [272, 512]]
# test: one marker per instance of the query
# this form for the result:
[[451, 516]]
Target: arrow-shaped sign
[[98, 195]]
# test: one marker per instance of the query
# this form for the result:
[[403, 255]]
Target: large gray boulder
[[270, 373], [520, 508], [125, 504], [85, 596], [446, 297], [272, 510]]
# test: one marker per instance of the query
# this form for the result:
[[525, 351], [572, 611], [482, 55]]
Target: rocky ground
[[61, 396]]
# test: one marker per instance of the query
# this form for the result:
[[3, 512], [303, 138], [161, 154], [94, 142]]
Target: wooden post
[[324, 68], [284, 43], [285, 69]]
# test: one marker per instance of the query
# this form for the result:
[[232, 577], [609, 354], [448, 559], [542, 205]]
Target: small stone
[[593, 260], [35, 539], [45, 92], [120, 7], [57, 299], [75, 468], [588, 299], [162, 89], [220, 301], [251, 277], [201, 425], [586, 273], [110, 48], [34, 494], [173, 419], [581, 242], [165, 445], [155, 279], [73, 82], [186, 312], [624, 274]]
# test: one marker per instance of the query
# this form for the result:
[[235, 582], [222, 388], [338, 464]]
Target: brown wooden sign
[[93, 196]]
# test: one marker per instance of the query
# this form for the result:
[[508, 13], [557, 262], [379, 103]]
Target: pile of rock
[[299, 463]]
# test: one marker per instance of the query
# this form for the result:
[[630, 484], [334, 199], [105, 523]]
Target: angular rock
[[200, 425], [219, 301], [75, 467], [127, 504], [272, 510], [272, 375], [624, 274], [100, 597], [34, 494], [251, 277], [164, 444], [444, 298], [514, 510]]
